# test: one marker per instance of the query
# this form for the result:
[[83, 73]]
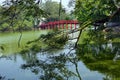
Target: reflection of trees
[[75, 62], [100, 57], [4, 78], [53, 67]]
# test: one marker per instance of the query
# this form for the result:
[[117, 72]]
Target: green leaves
[[93, 9], [53, 10], [18, 12]]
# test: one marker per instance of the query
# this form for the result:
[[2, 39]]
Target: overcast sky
[[1, 1]]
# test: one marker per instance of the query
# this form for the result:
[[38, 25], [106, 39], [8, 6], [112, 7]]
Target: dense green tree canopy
[[94, 13], [93, 9], [20, 14]]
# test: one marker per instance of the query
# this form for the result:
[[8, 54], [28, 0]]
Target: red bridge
[[62, 24]]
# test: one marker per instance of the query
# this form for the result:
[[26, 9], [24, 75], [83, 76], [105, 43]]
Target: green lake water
[[87, 62], [9, 40]]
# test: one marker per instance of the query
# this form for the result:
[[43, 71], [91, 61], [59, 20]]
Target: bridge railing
[[59, 24]]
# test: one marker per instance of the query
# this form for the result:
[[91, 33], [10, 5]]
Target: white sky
[[1, 1]]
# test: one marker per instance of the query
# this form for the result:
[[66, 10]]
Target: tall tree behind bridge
[[52, 9]]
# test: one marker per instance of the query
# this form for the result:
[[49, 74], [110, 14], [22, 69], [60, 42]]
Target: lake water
[[58, 65], [9, 40]]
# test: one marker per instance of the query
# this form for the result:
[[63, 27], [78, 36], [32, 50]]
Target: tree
[[88, 12], [71, 3], [52, 10], [93, 10], [117, 3], [18, 13]]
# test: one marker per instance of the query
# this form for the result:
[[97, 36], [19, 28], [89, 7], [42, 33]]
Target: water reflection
[[63, 65], [51, 67], [102, 57], [89, 63]]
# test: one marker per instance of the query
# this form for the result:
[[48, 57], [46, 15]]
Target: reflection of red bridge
[[62, 24]]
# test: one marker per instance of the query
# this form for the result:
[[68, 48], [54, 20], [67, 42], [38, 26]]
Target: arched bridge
[[62, 24]]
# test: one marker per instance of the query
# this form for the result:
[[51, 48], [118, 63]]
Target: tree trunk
[[78, 38]]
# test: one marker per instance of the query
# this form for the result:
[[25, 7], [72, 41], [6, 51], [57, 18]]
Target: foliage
[[71, 3], [100, 56], [46, 42], [52, 9], [52, 67], [109, 67], [50, 41], [20, 14], [36, 48], [97, 54], [86, 10], [54, 39]]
